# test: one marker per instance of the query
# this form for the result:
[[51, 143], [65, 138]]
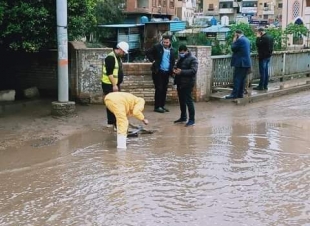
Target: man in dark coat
[[241, 61], [163, 59], [185, 77], [264, 44]]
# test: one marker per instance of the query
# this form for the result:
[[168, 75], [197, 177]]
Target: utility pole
[[63, 106], [62, 40]]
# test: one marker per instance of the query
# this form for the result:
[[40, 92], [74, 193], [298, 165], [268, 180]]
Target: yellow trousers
[[119, 110]]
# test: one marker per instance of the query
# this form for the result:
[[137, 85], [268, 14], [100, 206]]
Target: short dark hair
[[238, 31], [166, 37], [261, 29], [182, 48]]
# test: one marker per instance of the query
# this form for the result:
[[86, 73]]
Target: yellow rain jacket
[[122, 105]]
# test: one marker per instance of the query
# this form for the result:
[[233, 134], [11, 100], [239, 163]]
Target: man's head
[[260, 31], [122, 48], [238, 33], [166, 41], [183, 50]]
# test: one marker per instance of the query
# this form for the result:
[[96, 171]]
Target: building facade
[[185, 10], [297, 12], [270, 10], [211, 8], [160, 9], [135, 9]]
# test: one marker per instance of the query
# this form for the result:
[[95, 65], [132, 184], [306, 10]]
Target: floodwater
[[247, 165]]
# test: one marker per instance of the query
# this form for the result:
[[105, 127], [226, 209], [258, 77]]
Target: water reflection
[[224, 173]]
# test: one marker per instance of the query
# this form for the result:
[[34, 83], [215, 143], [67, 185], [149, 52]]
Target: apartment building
[[185, 10], [270, 10], [135, 9], [221, 8], [164, 9], [211, 8]]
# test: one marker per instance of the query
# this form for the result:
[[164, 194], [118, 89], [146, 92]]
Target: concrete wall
[[87, 70], [24, 70], [20, 71]]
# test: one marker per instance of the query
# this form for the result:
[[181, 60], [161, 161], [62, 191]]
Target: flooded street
[[240, 165]]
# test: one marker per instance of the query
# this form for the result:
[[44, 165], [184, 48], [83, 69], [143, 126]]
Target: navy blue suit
[[241, 61]]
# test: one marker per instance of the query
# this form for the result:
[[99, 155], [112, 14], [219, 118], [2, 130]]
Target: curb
[[272, 94]]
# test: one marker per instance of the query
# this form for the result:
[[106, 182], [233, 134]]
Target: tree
[[31, 25], [278, 37], [298, 31], [108, 12], [248, 32]]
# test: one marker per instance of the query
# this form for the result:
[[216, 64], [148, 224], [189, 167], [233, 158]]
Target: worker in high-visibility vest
[[123, 105], [112, 75]]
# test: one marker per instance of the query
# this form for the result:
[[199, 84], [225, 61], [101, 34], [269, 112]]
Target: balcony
[[249, 10], [268, 12], [226, 11]]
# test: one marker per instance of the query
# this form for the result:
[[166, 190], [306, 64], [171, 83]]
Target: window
[[307, 3], [280, 5], [295, 9], [164, 3], [154, 3], [211, 7], [171, 4]]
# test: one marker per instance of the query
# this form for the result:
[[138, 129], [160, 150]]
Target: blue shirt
[[165, 62]]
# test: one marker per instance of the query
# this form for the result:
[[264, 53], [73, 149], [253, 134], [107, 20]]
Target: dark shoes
[[165, 109], [180, 120], [230, 97], [260, 88], [190, 123], [159, 110]]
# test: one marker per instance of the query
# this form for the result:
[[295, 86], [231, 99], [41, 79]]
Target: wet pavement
[[240, 165]]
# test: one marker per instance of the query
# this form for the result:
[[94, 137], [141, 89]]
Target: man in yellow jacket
[[122, 105]]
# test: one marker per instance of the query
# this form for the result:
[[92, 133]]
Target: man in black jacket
[[264, 43], [185, 77], [162, 57]]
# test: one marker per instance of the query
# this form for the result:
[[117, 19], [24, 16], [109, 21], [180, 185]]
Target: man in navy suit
[[241, 61]]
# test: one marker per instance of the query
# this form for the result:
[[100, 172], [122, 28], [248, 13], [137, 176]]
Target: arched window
[[296, 9], [298, 39]]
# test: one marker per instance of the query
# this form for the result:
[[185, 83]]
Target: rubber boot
[[121, 141]]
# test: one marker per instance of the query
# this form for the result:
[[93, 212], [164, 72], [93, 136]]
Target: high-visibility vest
[[105, 78]]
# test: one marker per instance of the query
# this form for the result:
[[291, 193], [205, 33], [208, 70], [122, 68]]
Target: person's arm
[[110, 64], [137, 110], [192, 70], [235, 46], [151, 54]]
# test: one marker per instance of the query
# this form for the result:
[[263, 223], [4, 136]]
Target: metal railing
[[282, 65]]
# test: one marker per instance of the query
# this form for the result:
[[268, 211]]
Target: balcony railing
[[268, 12], [226, 11]]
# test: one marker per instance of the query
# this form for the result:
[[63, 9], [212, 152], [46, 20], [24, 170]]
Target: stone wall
[[20, 71], [137, 79]]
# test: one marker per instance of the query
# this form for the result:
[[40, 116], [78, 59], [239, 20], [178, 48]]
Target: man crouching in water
[[123, 105]]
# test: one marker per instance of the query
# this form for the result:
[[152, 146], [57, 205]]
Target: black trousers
[[160, 80], [108, 88], [239, 76], [186, 100]]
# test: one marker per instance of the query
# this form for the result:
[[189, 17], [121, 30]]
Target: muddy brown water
[[249, 166]]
